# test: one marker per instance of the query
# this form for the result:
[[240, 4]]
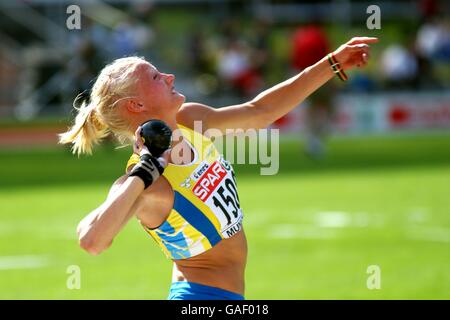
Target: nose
[[170, 78]]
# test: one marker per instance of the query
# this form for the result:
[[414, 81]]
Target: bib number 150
[[226, 199]]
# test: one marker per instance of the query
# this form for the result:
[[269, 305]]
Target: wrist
[[336, 67], [148, 169]]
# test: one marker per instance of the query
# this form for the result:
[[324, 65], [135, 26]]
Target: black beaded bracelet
[[335, 65]]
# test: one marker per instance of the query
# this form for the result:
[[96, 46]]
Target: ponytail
[[87, 130]]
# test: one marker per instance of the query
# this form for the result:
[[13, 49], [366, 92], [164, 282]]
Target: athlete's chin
[[180, 98]]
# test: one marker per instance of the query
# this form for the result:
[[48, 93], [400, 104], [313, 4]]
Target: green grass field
[[313, 229]]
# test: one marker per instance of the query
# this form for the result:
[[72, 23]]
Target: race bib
[[215, 185]]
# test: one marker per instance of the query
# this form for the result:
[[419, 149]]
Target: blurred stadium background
[[375, 191]]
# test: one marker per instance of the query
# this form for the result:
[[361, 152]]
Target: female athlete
[[191, 209]]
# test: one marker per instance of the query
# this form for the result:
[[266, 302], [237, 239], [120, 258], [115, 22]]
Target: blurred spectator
[[399, 67], [432, 37], [236, 70], [309, 45]]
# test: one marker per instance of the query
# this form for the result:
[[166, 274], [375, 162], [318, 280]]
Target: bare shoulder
[[193, 111]]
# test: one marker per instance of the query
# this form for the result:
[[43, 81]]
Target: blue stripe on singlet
[[196, 218], [175, 243]]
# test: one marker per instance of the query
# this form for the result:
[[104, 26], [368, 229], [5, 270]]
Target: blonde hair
[[98, 117]]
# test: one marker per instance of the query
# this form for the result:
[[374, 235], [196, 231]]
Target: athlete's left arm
[[278, 100]]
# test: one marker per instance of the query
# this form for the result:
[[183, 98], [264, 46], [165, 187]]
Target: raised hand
[[354, 53]]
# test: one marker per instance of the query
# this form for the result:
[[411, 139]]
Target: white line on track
[[23, 262], [63, 232], [434, 234], [340, 219], [290, 231], [333, 219]]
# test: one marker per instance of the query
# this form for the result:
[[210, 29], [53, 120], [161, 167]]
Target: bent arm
[[98, 229]]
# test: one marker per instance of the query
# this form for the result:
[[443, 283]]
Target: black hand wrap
[[148, 169]]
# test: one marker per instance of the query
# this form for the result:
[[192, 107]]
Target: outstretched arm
[[275, 102]]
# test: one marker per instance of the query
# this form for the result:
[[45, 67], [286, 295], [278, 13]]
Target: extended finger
[[362, 40], [359, 47]]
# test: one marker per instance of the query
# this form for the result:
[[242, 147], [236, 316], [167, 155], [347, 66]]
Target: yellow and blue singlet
[[206, 205]]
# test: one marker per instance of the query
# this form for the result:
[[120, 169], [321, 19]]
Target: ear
[[134, 107]]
